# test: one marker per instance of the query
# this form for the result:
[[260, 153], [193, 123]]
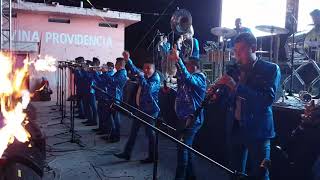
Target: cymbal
[[223, 31], [272, 29], [262, 52]]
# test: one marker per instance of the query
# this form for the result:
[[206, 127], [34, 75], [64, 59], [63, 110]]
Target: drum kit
[[220, 54], [227, 33], [302, 45]]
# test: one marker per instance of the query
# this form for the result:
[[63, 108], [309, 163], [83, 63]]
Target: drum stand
[[224, 43], [294, 23], [290, 93]]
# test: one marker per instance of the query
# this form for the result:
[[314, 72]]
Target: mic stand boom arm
[[120, 108], [134, 108]]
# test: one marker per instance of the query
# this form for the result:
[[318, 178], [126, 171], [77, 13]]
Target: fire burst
[[46, 64], [14, 98]]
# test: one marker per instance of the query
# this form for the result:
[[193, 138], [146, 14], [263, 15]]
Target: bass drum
[[299, 51]]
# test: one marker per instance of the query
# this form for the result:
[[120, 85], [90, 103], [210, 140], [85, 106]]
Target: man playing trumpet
[[250, 123]]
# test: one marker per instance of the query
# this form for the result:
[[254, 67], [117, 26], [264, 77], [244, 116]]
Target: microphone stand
[[223, 52], [158, 121], [119, 107], [74, 136], [132, 107], [61, 91], [62, 65], [152, 44], [294, 23]]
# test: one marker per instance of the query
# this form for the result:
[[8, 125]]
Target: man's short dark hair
[[193, 61], [89, 63], [247, 38], [79, 59], [315, 13], [110, 64], [121, 61], [148, 60], [95, 61]]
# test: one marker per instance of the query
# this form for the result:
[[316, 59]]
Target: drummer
[[239, 29], [312, 40]]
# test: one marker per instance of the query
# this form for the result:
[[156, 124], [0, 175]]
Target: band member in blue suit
[[147, 101], [115, 85], [163, 49], [90, 104], [78, 78], [103, 113], [191, 92], [250, 123]]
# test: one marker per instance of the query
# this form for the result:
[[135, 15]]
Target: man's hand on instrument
[[211, 93], [174, 54], [228, 81], [311, 114], [126, 55]]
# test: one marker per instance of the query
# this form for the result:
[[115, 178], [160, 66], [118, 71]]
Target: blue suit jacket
[[78, 80], [88, 81], [190, 94], [116, 83], [100, 81], [256, 110], [149, 92]]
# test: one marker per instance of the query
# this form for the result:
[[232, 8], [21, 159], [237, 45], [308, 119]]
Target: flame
[[14, 98], [46, 64]]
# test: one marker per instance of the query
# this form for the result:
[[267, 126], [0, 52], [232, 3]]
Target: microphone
[[159, 33]]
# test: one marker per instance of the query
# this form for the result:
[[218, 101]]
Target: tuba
[[181, 21], [181, 24]]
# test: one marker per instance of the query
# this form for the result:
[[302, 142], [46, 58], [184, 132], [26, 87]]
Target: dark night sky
[[205, 13]]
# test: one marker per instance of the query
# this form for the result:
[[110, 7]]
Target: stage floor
[[95, 161]]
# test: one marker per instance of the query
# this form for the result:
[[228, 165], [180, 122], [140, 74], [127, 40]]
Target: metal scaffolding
[[6, 25]]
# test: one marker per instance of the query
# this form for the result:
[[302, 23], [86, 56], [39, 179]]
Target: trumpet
[[217, 92], [84, 66], [95, 68]]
